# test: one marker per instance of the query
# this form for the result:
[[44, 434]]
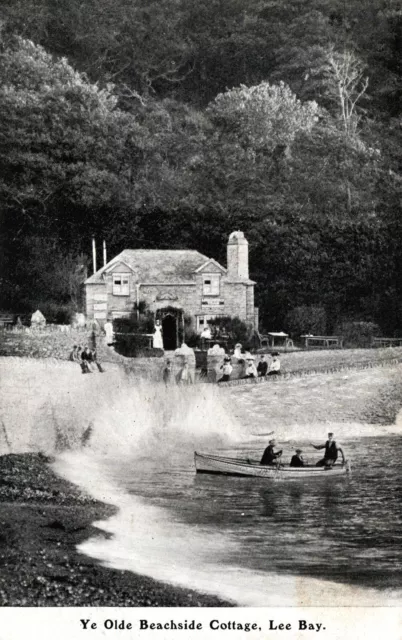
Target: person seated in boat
[[332, 448], [271, 457], [297, 459]]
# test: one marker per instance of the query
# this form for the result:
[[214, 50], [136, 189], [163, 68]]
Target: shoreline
[[43, 518]]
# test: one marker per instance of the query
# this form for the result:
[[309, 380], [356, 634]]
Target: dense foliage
[[171, 123]]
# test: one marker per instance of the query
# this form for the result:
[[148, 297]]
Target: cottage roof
[[156, 265]]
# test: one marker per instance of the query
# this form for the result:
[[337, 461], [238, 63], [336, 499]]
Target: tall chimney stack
[[237, 256], [94, 254], [104, 253]]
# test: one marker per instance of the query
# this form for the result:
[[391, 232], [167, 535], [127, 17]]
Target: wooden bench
[[386, 342], [149, 336], [6, 320], [323, 342]]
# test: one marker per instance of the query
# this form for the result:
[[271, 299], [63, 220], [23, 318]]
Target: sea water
[[256, 542]]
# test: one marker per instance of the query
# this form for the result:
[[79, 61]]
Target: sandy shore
[[42, 520]]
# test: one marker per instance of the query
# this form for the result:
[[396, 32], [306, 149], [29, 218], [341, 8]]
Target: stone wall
[[214, 371], [57, 342], [49, 342], [238, 298], [53, 341]]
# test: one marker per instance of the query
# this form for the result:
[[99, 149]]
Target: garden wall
[[57, 341]]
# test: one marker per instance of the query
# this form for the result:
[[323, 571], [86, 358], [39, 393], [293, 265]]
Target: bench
[[386, 342], [323, 342], [149, 336], [6, 320]]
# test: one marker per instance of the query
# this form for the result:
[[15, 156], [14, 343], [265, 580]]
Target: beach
[[44, 516]]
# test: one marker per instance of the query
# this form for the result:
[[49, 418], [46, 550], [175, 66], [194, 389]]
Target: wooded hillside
[[171, 123]]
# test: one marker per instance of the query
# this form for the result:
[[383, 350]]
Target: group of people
[[183, 377], [262, 369], [272, 457], [86, 358]]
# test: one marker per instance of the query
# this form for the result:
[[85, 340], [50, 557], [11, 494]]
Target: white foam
[[134, 420]]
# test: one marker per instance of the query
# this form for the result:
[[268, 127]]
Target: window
[[202, 321], [210, 286], [121, 284]]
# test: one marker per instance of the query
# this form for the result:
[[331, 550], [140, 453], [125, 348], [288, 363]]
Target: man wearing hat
[[331, 452], [270, 456], [297, 459]]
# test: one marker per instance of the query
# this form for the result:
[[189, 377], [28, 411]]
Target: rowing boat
[[212, 464]]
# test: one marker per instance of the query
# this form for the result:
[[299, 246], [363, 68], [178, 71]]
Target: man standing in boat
[[331, 452], [270, 456]]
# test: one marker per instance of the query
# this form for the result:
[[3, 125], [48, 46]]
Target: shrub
[[306, 319], [357, 334], [57, 313], [149, 352], [130, 340], [191, 338], [235, 329]]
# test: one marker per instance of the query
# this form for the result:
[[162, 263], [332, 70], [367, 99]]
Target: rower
[[270, 456], [331, 452]]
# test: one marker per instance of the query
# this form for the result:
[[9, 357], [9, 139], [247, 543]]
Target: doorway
[[169, 329]]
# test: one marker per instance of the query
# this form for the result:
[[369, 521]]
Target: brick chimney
[[237, 256]]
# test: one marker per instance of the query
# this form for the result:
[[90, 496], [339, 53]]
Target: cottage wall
[[96, 302], [234, 297], [250, 310]]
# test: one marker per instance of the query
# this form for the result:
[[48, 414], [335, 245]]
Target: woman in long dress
[[157, 341]]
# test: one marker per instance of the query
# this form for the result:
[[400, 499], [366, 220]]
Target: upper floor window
[[121, 284], [210, 285]]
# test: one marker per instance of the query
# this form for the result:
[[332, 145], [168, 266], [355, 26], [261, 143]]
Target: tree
[[262, 117], [346, 84], [61, 135]]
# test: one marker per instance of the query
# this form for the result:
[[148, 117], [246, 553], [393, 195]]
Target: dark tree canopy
[[169, 123]]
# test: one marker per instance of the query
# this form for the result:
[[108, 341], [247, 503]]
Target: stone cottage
[[177, 285]]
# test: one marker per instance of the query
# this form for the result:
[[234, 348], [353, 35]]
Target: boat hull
[[219, 465]]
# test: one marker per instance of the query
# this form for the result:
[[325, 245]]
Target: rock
[[38, 319], [216, 350], [79, 321], [184, 350]]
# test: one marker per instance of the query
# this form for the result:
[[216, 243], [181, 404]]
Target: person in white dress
[[157, 341], [109, 333]]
